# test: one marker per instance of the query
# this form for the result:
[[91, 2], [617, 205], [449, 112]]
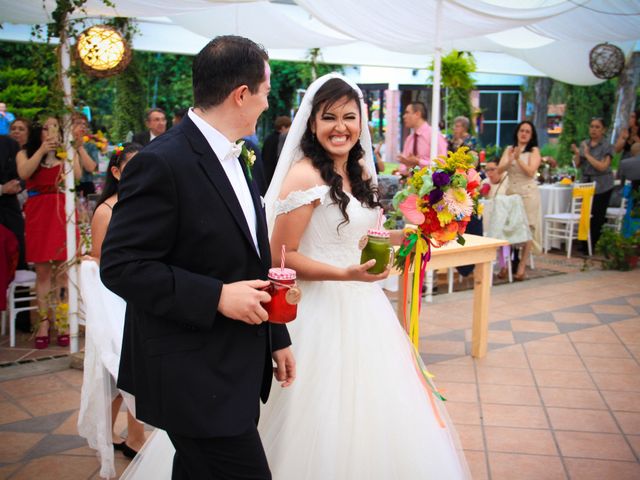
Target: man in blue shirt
[[6, 119]]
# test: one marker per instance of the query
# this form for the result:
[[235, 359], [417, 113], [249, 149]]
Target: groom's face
[[256, 103]]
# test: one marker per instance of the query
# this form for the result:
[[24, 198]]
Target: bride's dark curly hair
[[363, 190]]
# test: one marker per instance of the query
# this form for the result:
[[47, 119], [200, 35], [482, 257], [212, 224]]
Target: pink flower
[[409, 208]]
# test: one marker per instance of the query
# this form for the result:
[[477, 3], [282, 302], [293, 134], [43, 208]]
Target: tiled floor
[[557, 396]]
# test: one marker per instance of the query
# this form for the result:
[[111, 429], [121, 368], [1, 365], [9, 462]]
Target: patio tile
[[634, 440], [586, 469], [534, 326], [16, 444], [7, 470], [54, 444], [41, 424], [504, 376], [69, 426], [572, 398], [612, 365], [601, 334], [611, 317], [71, 376], [29, 386], [529, 467], [58, 467], [624, 401], [549, 348], [556, 362], [520, 440], [617, 381], [514, 416], [617, 309], [464, 413], [10, 413], [477, 465], [512, 357], [582, 420], [602, 350], [629, 422], [573, 317], [442, 347], [558, 378], [459, 392], [54, 402], [606, 446], [453, 373], [509, 394], [10, 355], [628, 330], [470, 437]]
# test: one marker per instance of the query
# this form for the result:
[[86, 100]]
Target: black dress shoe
[[127, 450], [118, 446]]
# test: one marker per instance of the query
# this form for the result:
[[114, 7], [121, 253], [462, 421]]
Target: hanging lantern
[[606, 61], [102, 51]]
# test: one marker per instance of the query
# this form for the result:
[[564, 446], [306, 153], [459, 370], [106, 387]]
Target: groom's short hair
[[224, 64]]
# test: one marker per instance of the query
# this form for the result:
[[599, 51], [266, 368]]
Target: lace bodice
[[321, 240]]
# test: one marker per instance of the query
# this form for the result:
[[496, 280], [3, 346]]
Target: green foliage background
[[456, 70], [581, 104], [28, 86]]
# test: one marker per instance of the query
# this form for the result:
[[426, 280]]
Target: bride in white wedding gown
[[358, 409]]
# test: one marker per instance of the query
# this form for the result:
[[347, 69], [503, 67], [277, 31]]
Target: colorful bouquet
[[438, 201], [98, 139]]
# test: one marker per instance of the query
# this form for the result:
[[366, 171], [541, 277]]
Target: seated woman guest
[[628, 136], [461, 136], [45, 222], [521, 161], [593, 158]]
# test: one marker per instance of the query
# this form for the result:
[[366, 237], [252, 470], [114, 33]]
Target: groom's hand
[[285, 369], [242, 301]]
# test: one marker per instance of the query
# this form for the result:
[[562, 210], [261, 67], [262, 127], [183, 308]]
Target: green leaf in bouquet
[[460, 239], [399, 197], [427, 186]]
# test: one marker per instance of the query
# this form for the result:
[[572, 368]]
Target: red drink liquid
[[283, 307]]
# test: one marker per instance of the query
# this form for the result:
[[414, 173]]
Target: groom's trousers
[[240, 457]]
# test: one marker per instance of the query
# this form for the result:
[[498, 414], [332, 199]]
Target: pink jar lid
[[378, 233], [282, 274]]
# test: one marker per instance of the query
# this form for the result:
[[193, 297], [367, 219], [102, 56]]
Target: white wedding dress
[[357, 409]]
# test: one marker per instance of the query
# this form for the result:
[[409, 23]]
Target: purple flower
[[435, 195], [440, 179]]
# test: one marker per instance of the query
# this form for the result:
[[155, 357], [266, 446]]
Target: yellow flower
[[480, 209], [445, 216]]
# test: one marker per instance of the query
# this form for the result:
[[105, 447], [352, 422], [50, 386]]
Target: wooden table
[[480, 251]]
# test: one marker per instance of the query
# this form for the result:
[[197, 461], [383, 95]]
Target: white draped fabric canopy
[[550, 37]]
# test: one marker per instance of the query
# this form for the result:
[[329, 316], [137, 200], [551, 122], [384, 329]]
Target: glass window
[[509, 106], [489, 105], [488, 134]]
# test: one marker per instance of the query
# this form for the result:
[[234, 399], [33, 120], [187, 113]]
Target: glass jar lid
[[372, 232]]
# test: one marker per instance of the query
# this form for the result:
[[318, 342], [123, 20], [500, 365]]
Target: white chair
[[25, 279], [564, 226], [615, 215]]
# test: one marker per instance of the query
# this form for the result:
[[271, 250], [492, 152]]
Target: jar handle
[[392, 256]]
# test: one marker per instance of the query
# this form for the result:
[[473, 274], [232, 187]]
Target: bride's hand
[[359, 273]]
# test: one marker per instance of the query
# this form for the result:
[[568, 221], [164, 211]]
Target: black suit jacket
[[143, 138], [177, 234]]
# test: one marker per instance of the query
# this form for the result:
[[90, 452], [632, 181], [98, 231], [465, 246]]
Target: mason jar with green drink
[[377, 245]]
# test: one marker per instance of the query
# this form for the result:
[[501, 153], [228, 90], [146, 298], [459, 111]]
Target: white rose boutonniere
[[248, 157]]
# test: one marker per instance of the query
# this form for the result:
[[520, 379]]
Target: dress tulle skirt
[[358, 409]]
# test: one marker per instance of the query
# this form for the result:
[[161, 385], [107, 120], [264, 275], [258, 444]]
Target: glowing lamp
[[102, 51]]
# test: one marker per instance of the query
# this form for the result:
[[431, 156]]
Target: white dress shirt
[[222, 147]]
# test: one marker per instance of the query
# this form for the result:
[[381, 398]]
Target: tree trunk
[[542, 88], [626, 95]]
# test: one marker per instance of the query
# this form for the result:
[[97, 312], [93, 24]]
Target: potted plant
[[619, 253]]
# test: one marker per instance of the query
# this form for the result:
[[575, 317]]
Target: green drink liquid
[[378, 248]]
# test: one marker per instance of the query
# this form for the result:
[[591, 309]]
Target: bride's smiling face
[[337, 128]]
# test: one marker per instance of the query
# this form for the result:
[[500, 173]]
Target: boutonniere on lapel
[[248, 157]]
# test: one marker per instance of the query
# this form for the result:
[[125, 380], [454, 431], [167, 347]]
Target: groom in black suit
[[187, 248]]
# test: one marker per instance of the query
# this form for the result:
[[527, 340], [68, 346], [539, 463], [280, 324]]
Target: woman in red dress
[[45, 222]]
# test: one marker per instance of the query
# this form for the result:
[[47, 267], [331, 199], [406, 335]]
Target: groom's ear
[[239, 94]]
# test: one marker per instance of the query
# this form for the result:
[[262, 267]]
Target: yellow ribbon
[[414, 322], [586, 193]]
